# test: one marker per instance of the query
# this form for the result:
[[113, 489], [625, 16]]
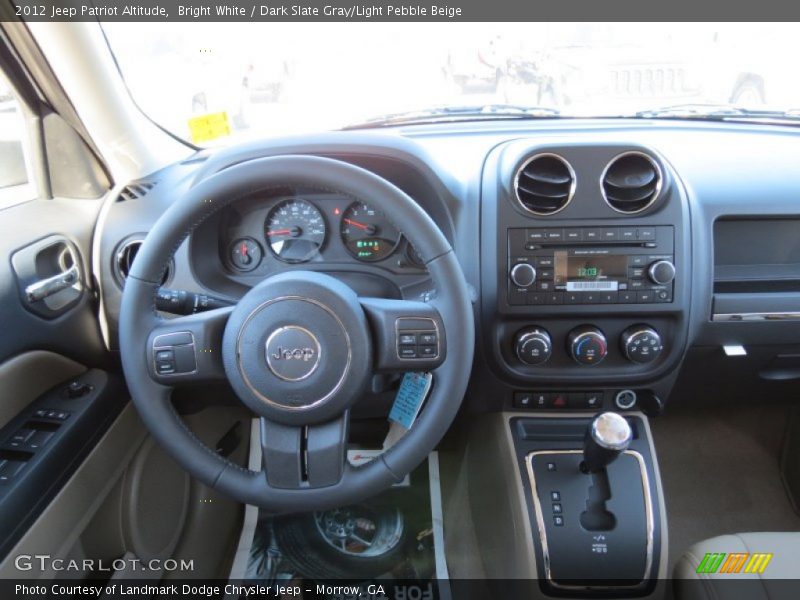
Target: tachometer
[[295, 230], [367, 233]]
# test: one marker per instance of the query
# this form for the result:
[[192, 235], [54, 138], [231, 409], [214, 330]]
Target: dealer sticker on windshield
[[209, 127], [410, 397]]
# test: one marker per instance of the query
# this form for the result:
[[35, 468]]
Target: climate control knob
[[661, 272], [641, 344], [587, 345], [523, 275], [533, 346]]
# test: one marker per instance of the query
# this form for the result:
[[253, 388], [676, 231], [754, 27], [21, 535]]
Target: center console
[[591, 493], [585, 302], [585, 274]]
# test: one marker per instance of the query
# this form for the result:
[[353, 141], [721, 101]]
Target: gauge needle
[[245, 254], [294, 231], [368, 228], [356, 224]]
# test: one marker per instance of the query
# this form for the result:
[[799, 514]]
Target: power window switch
[[22, 436], [39, 439], [10, 469]]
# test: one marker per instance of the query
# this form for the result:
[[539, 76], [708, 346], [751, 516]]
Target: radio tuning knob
[[533, 346], [523, 275], [661, 272]]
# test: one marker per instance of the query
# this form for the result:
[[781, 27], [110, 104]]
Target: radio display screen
[[587, 273]]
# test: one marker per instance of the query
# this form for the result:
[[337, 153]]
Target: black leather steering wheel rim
[[138, 318]]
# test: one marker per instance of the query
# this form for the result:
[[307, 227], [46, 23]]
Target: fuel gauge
[[245, 254]]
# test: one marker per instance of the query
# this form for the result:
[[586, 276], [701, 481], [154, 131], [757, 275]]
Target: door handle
[[40, 290]]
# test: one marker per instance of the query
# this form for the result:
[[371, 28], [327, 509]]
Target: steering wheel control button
[[587, 345], [407, 352], [641, 344], [293, 353], [625, 399], [174, 354], [533, 346], [427, 338], [407, 339], [417, 339]]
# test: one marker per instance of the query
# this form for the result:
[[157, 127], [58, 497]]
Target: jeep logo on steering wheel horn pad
[[292, 352]]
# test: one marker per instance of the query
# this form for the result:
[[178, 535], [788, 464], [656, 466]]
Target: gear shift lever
[[608, 436]]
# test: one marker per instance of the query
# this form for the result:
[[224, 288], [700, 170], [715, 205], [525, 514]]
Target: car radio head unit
[[589, 265]]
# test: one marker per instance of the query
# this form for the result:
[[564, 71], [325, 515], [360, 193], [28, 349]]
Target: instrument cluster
[[306, 228]]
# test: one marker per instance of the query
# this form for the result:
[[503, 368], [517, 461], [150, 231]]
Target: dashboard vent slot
[[123, 261], [544, 185], [631, 182], [132, 191]]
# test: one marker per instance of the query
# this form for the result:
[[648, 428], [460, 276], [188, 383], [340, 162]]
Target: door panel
[[27, 376], [73, 332]]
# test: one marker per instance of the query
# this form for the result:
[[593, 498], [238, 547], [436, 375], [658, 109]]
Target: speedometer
[[295, 230], [367, 233]]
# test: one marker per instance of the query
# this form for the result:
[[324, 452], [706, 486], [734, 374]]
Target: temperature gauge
[[245, 254]]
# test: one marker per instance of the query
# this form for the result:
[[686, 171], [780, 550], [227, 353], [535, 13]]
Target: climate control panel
[[587, 345]]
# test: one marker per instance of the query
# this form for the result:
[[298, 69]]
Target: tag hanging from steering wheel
[[410, 397]]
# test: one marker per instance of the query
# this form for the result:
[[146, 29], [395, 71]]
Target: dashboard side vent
[[123, 261], [132, 191], [545, 184], [631, 182]]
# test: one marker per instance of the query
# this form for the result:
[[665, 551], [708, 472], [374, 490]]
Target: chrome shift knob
[[609, 435]]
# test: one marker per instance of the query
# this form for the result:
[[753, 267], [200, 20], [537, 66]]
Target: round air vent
[[544, 184], [124, 258], [631, 182]]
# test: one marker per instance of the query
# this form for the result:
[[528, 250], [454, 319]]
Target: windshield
[[216, 83]]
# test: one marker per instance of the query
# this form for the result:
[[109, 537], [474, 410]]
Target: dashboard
[[605, 256]]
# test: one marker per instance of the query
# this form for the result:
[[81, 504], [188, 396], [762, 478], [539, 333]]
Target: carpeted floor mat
[[720, 471]]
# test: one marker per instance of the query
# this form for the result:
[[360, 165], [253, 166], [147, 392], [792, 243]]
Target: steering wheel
[[298, 349]]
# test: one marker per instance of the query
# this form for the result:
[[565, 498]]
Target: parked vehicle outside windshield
[[272, 79]]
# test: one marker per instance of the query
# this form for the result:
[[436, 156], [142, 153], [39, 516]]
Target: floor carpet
[[720, 472]]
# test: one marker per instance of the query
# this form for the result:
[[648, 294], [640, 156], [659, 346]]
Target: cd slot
[[557, 245]]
